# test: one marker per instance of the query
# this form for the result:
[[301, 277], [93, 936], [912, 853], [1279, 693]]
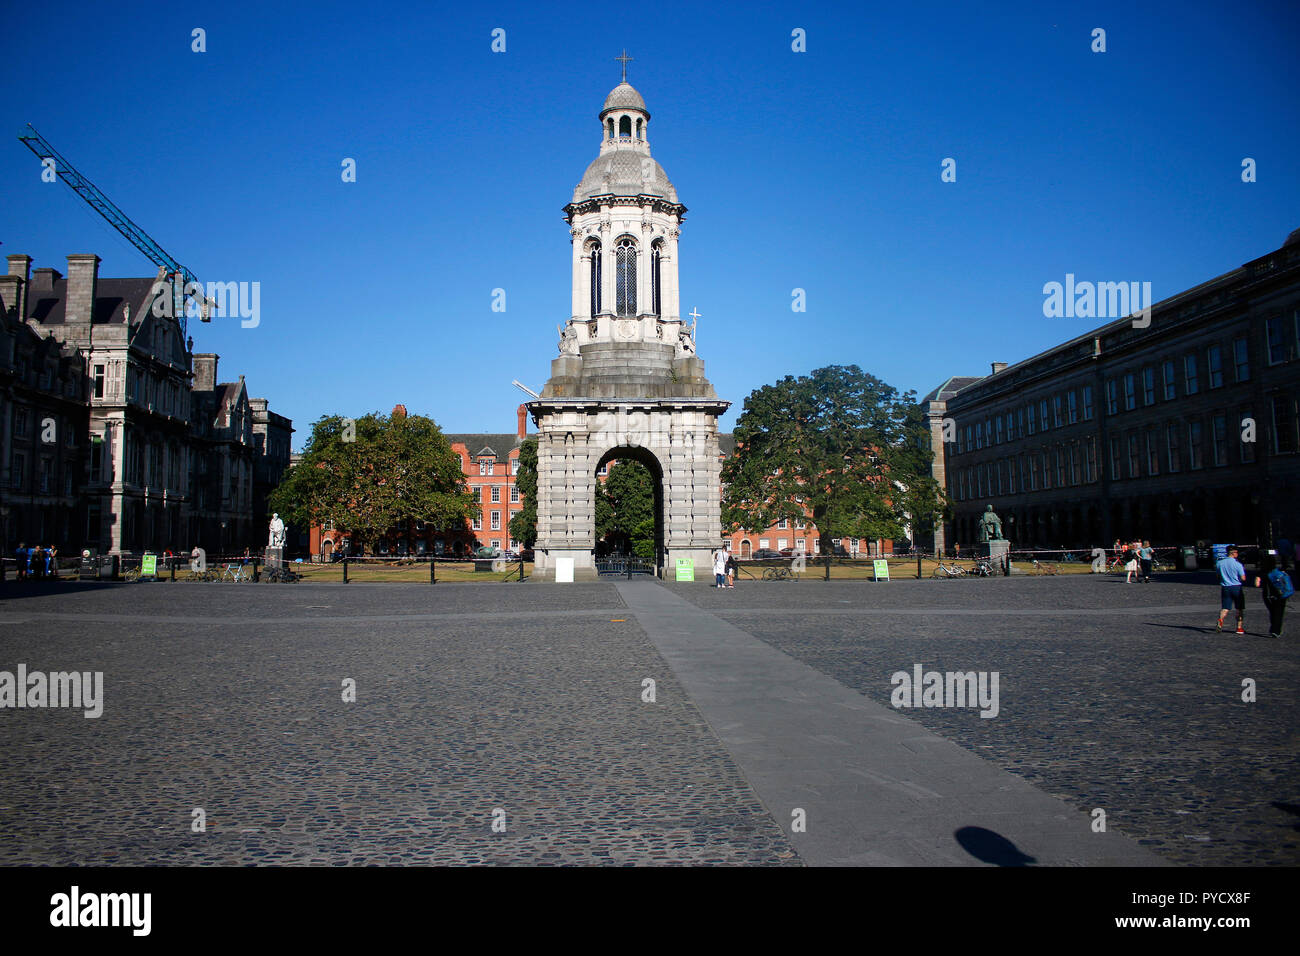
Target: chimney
[[20, 267], [523, 421], [205, 371], [83, 275], [44, 278], [998, 367]]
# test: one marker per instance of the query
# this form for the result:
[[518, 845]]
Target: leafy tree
[[625, 507], [376, 475], [523, 526], [855, 451]]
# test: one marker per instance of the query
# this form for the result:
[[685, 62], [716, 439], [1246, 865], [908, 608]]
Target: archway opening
[[629, 506]]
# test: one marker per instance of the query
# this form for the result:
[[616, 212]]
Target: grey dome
[[619, 172], [624, 97]]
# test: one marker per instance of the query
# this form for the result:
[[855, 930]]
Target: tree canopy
[[523, 526], [374, 475], [840, 448], [625, 507]]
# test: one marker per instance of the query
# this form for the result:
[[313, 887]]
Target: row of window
[[1137, 453], [46, 481], [25, 421], [1164, 381], [481, 492], [494, 517], [487, 466], [625, 276]]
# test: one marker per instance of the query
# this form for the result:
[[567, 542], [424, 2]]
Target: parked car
[[766, 553]]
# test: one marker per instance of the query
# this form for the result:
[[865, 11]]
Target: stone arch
[[643, 456]]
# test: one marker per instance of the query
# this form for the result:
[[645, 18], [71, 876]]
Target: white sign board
[[564, 570]]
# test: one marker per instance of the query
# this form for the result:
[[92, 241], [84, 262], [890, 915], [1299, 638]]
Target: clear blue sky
[[817, 170]]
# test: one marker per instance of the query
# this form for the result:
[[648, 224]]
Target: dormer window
[[485, 466]]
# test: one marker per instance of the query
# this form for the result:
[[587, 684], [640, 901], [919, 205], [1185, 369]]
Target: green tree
[[523, 526], [625, 507], [839, 445], [374, 476]]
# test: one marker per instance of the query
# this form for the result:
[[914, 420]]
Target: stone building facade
[[1184, 430], [627, 383], [158, 454]]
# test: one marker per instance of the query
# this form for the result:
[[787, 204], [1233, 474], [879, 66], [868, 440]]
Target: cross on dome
[[626, 59]]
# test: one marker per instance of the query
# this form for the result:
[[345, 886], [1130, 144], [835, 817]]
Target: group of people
[[36, 563], [1273, 581], [1137, 557], [724, 569]]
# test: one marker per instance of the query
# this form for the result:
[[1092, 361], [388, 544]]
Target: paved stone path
[[528, 698], [876, 788]]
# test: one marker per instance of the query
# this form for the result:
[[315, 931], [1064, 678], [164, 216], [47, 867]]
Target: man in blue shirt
[[1231, 578]]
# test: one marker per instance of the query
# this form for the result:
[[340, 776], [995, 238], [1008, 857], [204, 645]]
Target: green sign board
[[685, 569], [882, 569], [149, 566]]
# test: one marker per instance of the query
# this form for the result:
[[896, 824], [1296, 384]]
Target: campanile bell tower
[[627, 383]]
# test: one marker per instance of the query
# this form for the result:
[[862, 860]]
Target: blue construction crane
[[119, 220]]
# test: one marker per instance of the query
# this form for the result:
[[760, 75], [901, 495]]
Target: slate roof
[[47, 306], [951, 387], [500, 444]]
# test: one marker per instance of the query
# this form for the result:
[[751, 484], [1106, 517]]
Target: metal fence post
[[345, 569], [432, 574]]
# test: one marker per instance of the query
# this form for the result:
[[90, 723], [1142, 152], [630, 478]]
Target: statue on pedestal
[[276, 539]]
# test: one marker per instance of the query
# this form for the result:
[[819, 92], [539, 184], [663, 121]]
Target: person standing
[[1277, 589], [731, 570], [720, 568], [1231, 577], [957, 548], [1145, 556], [20, 560]]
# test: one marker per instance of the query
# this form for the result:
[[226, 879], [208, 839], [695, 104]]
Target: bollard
[[345, 569], [172, 565], [918, 565], [521, 568], [257, 575], [432, 576]]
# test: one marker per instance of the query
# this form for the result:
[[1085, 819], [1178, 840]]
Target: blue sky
[[817, 170]]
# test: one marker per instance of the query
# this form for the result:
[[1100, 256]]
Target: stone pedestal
[[274, 558], [997, 551]]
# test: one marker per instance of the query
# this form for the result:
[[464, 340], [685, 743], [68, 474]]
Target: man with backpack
[[1277, 587]]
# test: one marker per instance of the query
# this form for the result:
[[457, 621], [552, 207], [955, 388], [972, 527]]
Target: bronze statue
[[990, 526]]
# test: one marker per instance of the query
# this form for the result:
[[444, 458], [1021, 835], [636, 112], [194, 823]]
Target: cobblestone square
[[522, 704]]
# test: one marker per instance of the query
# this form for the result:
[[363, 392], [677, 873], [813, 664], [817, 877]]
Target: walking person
[[731, 570], [1231, 578], [1130, 564], [720, 568], [1278, 588], [1145, 556]]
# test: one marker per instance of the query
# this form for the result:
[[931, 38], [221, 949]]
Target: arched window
[[656, 253], [611, 127], [625, 292], [596, 261], [625, 127], [638, 127]]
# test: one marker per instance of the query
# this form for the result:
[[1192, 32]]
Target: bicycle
[[236, 573], [779, 574], [280, 576], [1044, 567], [948, 571], [131, 575], [983, 568]]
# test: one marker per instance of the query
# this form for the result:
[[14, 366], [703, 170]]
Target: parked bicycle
[[280, 576], [779, 574], [949, 571], [1044, 567]]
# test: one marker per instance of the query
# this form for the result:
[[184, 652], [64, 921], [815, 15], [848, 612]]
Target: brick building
[[1180, 431], [490, 463]]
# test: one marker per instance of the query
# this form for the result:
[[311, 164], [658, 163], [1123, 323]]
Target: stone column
[[672, 307], [581, 283]]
